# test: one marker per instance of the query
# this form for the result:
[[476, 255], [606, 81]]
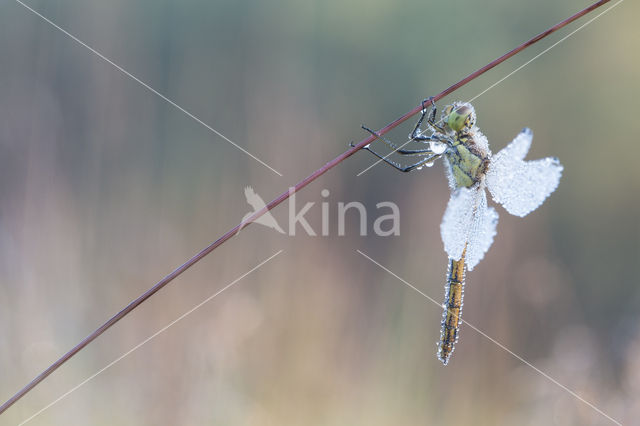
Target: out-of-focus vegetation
[[105, 187]]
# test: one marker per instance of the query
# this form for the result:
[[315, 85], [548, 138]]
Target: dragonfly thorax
[[468, 152], [467, 158]]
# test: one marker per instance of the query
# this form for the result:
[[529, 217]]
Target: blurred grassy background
[[105, 188]]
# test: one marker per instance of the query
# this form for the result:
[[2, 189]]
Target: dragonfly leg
[[399, 149], [422, 162], [430, 120], [416, 134], [398, 166], [432, 117]]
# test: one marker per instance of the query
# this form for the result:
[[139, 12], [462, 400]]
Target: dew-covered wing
[[450, 178], [482, 231], [456, 221], [468, 222], [521, 186]]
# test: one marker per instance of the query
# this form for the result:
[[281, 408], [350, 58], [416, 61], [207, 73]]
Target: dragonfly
[[469, 225]]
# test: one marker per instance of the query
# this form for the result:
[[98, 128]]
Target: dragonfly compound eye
[[461, 117]]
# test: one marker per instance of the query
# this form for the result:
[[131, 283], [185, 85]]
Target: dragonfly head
[[459, 116]]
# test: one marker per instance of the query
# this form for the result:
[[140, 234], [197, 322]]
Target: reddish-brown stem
[[275, 202]]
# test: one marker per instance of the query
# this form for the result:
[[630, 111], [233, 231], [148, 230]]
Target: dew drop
[[438, 147]]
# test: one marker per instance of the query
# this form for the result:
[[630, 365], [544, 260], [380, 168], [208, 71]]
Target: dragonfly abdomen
[[452, 315]]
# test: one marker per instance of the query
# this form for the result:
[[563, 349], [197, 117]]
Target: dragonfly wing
[[482, 229], [521, 186], [450, 178], [457, 221], [519, 146], [468, 222]]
